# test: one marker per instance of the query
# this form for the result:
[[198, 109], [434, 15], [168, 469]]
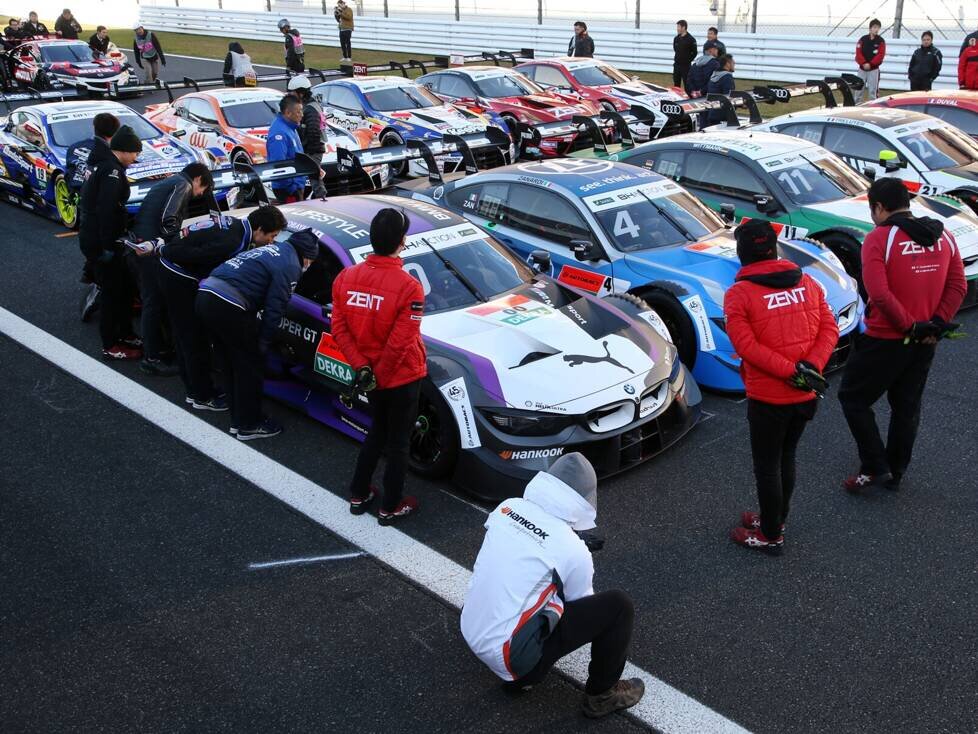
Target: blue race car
[[396, 111], [615, 228], [34, 142]]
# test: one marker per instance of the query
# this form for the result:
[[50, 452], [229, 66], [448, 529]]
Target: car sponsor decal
[[418, 243], [457, 396], [697, 310], [82, 115], [230, 100], [625, 196], [529, 454], [656, 322], [574, 166], [584, 280], [717, 249], [514, 310], [330, 362], [776, 163], [41, 172], [784, 231]]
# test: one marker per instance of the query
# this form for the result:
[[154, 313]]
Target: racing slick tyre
[[608, 106], [41, 82], [434, 445], [677, 321], [66, 202], [390, 139], [847, 250], [241, 156]]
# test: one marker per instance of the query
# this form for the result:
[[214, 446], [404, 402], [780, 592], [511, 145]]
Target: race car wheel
[[41, 82], [968, 197], [677, 321], [241, 156], [390, 139], [846, 249], [66, 202], [514, 133], [434, 446], [605, 105]]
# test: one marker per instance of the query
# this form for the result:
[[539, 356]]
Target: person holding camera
[[344, 19], [915, 283], [377, 309], [784, 331], [531, 599]]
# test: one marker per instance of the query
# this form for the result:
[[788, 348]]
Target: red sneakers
[[860, 481], [406, 507], [121, 351], [358, 505], [757, 539], [752, 520]]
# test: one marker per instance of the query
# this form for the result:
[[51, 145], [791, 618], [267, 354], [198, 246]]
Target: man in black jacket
[[160, 217], [684, 51], [295, 52], [187, 259], [66, 26], [99, 42], [103, 221], [77, 170], [33, 27], [925, 64], [581, 44], [311, 128], [698, 79]]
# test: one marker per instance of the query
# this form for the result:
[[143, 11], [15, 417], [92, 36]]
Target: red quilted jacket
[[776, 317], [377, 311]]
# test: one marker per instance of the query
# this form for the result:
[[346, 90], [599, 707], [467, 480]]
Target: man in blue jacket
[[721, 82], [282, 144], [702, 69], [228, 303]]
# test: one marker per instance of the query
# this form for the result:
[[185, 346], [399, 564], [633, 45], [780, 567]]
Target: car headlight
[[525, 423]]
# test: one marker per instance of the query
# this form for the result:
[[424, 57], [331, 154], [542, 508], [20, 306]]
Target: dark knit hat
[[126, 141], [306, 244], [387, 230], [756, 240]]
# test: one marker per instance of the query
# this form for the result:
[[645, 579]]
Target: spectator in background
[[238, 70], [581, 44], [13, 34], [967, 41], [712, 34], [925, 64], [700, 73], [344, 18], [146, 47], [295, 50], [684, 51], [99, 42], [721, 82], [33, 27], [282, 144], [870, 50], [968, 66], [66, 26]]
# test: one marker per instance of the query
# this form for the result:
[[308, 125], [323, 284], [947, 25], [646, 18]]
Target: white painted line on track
[[664, 708], [300, 561]]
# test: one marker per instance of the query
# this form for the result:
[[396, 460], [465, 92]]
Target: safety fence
[[758, 56]]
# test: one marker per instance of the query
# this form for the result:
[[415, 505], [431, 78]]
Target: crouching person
[[531, 602]]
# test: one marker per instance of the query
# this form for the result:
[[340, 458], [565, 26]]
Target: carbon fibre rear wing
[[33, 95], [352, 162], [251, 178], [843, 83], [594, 125]]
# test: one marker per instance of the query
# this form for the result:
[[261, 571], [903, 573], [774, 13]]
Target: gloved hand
[[921, 331], [948, 329], [808, 379], [365, 379]]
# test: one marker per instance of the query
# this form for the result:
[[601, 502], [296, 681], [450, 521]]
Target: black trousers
[[118, 292], [775, 431], [394, 412], [878, 366], [679, 75], [234, 333], [346, 43], [603, 619], [151, 317], [189, 335], [920, 85]]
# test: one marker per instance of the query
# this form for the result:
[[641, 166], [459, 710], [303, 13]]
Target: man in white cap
[[310, 128], [531, 600]]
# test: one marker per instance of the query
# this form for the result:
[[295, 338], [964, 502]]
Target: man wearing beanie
[[377, 309], [103, 219], [784, 331], [228, 302], [531, 601]]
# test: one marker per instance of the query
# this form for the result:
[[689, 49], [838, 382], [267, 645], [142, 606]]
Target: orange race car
[[233, 123]]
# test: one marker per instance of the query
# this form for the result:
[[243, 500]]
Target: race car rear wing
[[32, 95], [844, 84], [252, 177], [727, 105], [532, 135], [352, 162]]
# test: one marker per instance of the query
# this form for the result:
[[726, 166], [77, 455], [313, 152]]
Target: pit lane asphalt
[[130, 607]]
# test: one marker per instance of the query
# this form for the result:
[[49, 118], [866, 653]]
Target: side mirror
[[890, 161], [178, 133], [540, 261], [870, 173], [586, 250], [766, 204], [727, 213]]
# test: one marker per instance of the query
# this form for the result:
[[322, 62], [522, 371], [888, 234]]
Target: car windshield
[[66, 52], [646, 222], [451, 274], [258, 113], [506, 85], [941, 148], [599, 75], [814, 180], [66, 132], [392, 99]]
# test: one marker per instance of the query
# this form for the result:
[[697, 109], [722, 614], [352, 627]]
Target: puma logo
[[577, 359]]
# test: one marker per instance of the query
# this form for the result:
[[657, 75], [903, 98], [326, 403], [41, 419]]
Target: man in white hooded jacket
[[531, 600]]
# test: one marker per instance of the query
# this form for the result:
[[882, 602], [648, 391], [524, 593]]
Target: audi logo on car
[[671, 109]]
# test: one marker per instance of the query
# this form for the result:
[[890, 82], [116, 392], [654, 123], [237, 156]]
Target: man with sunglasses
[[377, 308]]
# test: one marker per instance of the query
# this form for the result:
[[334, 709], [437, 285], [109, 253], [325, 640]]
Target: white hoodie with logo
[[530, 564]]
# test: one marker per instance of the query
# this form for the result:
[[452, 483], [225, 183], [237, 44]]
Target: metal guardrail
[[773, 57]]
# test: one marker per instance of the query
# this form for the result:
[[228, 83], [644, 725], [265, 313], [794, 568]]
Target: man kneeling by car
[[531, 600]]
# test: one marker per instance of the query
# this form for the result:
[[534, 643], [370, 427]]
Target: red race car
[[957, 107], [612, 89], [520, 102]]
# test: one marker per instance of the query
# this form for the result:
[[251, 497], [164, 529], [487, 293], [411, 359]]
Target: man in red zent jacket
[[915, 284], [377, 311], [784, 332], [870, 50], [968, 66]]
